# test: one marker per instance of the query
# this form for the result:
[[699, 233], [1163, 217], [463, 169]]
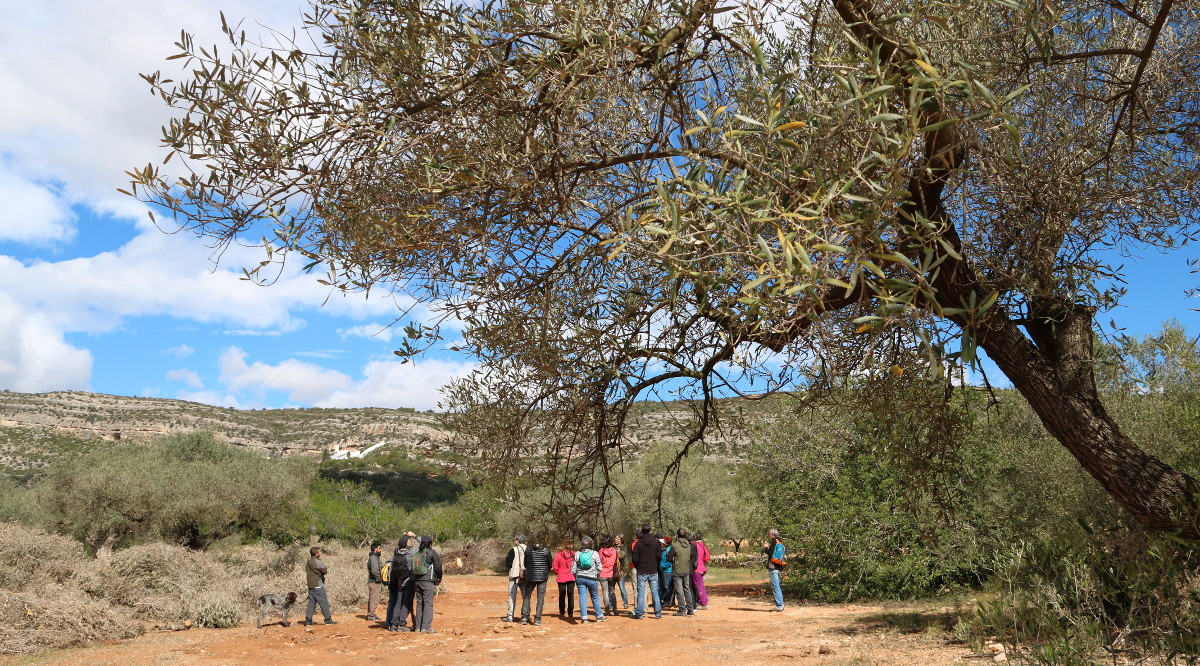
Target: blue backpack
[[665, 562]]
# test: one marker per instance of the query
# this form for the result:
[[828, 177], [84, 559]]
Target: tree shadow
[[905, 622]]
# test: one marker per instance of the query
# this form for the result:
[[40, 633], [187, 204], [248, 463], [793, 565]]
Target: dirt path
[[737, 628]]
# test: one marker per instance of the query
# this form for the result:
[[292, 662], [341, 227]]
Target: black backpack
[[398, 570]]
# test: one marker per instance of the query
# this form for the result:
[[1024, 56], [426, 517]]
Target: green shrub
[[188, 489]]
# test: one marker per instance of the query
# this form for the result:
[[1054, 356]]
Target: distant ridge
[[35, 427]]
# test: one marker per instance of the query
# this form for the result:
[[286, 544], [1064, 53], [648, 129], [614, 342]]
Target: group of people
[[672, 568], [412, 577]]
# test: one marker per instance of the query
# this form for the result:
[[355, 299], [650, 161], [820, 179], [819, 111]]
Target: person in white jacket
[[515, 561]]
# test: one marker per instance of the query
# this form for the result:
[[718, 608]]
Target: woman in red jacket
[[608, 573], [566, 580]]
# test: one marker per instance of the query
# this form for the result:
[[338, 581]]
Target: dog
[[276, 602]]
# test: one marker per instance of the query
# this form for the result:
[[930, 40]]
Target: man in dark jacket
[[537, 572], [426, 582], [644, 553], [374, 581], [400, 587], [681, 572], [314, 574]]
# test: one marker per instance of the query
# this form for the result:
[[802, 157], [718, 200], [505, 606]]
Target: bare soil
[[738, 627]]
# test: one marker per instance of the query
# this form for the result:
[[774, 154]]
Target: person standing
[[566, 580], [700, 594], [665, 565], [645, 552], [537, 571], [314, 574], [608, 573], [374, 580], [622, 559], [427, 572], [586, 568], [515, 561], [776, 561], [681, 572], [400, 587]]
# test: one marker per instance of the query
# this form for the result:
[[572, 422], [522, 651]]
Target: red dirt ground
[[737, 628]]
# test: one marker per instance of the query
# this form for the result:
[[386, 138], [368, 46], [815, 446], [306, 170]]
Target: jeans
[[423, 591], [566, 598], [683, 591], [608, 596], [621, 587], [527, 588], [775, 588], [647, 581], [317, 595], [588, 587]]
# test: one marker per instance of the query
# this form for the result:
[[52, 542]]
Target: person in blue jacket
[[776, 561]]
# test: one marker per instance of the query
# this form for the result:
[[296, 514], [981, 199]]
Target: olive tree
[[627, 198]]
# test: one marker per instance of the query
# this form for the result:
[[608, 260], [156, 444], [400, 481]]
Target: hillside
[[35, 427]]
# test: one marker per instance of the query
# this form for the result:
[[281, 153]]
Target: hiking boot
[[506, 618], [307, 623], [705, 607], [372, 617], [330, 622], [429, 631], [523, 621], [537, 623], [635, 617], [602, 619]]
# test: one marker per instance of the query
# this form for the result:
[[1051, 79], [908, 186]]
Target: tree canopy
[[623, 198]]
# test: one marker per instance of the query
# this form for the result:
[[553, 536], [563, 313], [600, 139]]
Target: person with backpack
[[645, 552], [776, 561], [374, 580], [537, 572], [426, 566], [400, 587], [515, 561], [703, 555], [586, 569], [608, 573], [566, 580], [681, 572]]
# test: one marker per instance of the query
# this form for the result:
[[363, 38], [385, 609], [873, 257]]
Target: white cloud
[[304, 383], [384, 383], [181, 351], [34, 357], [75, 109], [397, 384], [189, 377], [370, 331], [31, 212]]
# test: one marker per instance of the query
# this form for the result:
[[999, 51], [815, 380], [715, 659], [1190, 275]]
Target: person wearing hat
[[776, 561], [426, 583], [374, 580]]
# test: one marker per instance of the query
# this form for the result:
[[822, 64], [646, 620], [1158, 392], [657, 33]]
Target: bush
[[188, 489], [1119, 591]]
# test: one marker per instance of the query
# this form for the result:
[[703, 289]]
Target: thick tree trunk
[[1061, 391]]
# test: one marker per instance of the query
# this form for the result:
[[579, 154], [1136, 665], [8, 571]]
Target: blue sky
[[95, 297]]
